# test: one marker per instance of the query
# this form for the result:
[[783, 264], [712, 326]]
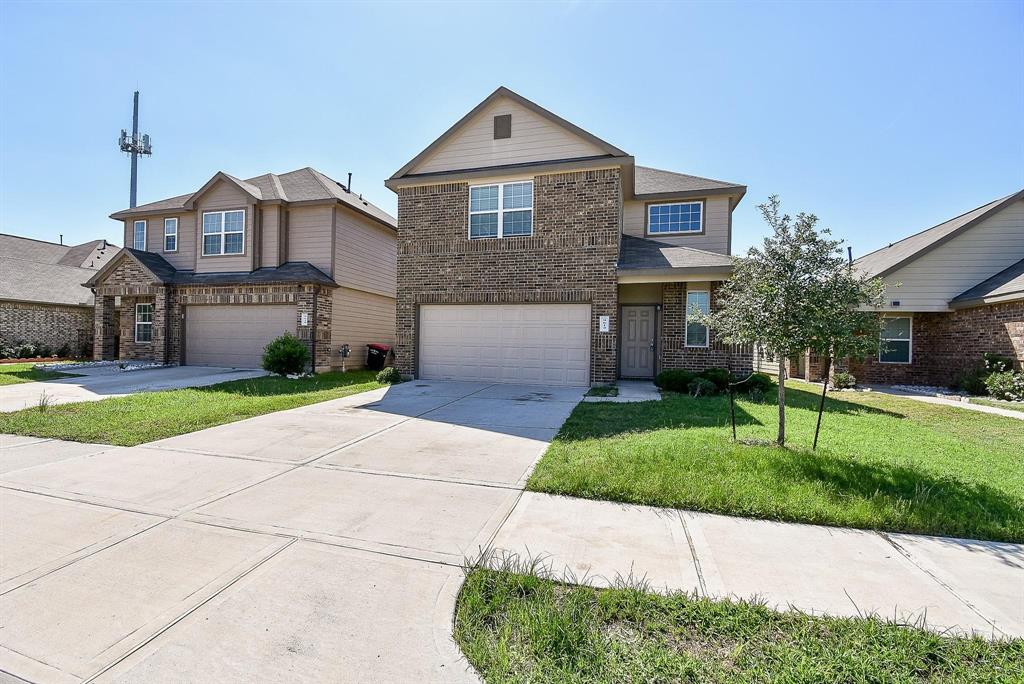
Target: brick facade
[[945, 343], [133, 285], [570, 258], [54, 325], [673, 352]]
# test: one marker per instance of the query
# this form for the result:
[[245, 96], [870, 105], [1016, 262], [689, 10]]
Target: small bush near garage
[[389, 376], [287, 355], [757, 382], [719, 376], [1008, 385], [675, 380]]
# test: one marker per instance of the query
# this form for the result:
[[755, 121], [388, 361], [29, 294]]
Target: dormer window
[[223, 232], [675, 218], [504, 210], [139, 236]]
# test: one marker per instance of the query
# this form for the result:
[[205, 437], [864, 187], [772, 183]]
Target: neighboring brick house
[[42, 299], [530, 250], [209, 278], [953, 292]]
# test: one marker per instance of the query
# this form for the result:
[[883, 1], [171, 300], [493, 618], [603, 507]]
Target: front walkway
[[964, 585], [943, 401]]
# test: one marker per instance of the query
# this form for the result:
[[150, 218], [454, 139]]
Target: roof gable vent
[[502, 126]]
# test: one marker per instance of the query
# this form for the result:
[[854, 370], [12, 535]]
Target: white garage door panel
[[517, 343], [234, 336]]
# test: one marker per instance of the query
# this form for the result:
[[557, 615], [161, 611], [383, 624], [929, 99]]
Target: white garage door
[[519, 343], [234, 336]]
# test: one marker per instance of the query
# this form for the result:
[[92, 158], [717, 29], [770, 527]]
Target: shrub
[[1008, 385], [675, 380], [64, 351], [997, 363], [389, 376], [843, 381], [758, 382], [43, 351], [971, 380], [702, 387], [286, 355], [24, 351], [720, 376]]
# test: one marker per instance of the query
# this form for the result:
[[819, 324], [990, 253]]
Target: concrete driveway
[[103, 382], [322, 543]]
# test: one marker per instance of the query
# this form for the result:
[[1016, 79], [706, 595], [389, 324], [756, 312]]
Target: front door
[[638, 331]]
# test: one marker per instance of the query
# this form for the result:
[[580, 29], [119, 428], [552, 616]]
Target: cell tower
[[135, 145]]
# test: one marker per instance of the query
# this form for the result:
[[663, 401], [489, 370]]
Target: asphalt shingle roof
[[45, 272], [289, 272], [641, 254], [648, 181], [302, 185], [884, 260], [1009, 281]]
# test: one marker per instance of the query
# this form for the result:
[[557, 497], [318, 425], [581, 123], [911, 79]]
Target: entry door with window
[[638, 332]]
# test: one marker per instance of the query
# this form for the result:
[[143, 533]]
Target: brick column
[[105, 329], [160, 332]]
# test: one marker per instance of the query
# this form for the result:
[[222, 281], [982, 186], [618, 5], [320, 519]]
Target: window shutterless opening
[[171, 235], [143, 322], [697, 301], [896, 340], [139, 236], [223, 232], [675, 218], [501, 210]]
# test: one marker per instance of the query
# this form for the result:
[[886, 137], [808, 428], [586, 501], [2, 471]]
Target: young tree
[[782, 293]]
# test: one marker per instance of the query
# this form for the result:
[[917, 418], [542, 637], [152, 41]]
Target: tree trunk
[[781, 439]]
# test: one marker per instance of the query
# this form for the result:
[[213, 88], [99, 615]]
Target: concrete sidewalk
[[944, 401], [104, 382], [962, 585]]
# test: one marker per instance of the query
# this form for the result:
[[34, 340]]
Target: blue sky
[[883, 119]]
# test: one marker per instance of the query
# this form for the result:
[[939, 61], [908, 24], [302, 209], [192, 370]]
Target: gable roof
[[1007, 285], [651, 183], [640, 254], [302, 185], [884, 261], [609, 149], [46, 272]]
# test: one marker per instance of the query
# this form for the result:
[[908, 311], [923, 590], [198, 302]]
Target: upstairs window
[[697, 302], [896, 336], [171, 235], [675, 218], [223, 232], [143, 322], [139, 236], [504, 210]]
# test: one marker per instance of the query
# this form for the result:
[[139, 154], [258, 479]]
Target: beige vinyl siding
[[366, 254], [931, 280], [716, 225], [360, 318], [534, 138], [310, 231], [271, 236], [185, 256], [221, 196]]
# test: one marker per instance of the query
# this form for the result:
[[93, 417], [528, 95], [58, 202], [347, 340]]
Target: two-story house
[[212, 276], [532, 251]]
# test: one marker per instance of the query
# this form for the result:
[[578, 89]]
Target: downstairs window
[[896, 338]]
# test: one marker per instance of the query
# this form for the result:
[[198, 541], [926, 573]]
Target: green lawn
[[518, 628], [13, 373], [140, 418], [883, 462]]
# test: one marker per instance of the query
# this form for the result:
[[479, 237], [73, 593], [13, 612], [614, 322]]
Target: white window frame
[[501, 210], [700, 231], [686, 320], [909, 341], [223, 234], [144, 324], [135, 234], [175, 234]]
